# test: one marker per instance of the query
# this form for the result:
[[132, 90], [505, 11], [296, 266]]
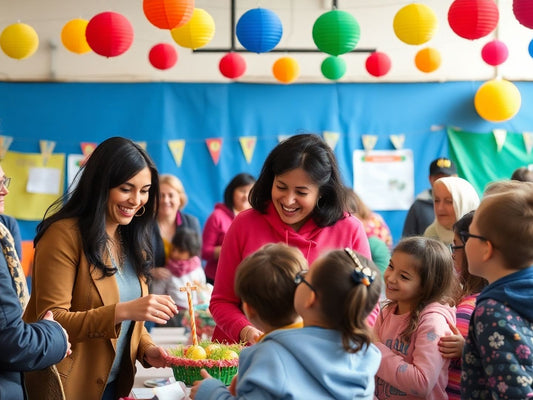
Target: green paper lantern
[[333, 68], [336, 32]]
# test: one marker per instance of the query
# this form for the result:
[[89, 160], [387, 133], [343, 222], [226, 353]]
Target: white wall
[[461, 57]]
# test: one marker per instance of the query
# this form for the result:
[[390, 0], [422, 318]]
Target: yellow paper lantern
[[73, 36], [428, 60], [19, 41], [497, 100], [415, 24], [286, 69], [197, 32]]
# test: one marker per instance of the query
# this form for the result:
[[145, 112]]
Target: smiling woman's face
[[443, 205]]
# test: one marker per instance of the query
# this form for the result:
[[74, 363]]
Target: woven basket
[[189, 375]]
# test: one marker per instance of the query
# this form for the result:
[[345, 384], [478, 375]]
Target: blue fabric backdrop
[[71, 113]]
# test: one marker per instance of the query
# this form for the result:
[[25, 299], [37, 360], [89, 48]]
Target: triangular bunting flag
[[528, 141], [176, 148], [87, 149], [142, 145], [248, 146], [397, 141], [369, 141], [331, 138], [214, 146], [281, 138], [499, 135], [5, 142], [47, 148]]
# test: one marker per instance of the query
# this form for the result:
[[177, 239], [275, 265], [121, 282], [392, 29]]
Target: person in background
[[93, 258], [9, 222], [332, 356], [497, 360], [298, 200], [24, 347], [453, 197], [217, 224], [421, 213], [470, 286], [522, 174], [419, 284]]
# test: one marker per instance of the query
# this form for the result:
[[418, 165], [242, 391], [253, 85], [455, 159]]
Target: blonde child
[[332, 355], [498, 353], [419, 283]]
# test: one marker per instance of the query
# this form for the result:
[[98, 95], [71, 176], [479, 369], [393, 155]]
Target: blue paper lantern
[[259, 30], [530, 48]]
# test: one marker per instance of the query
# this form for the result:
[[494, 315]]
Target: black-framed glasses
[[453, 247], [464, 235], [300, 278], [4, 183]]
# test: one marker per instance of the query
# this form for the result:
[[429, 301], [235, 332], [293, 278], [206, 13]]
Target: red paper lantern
[[109, 34], [232, 65], [378, 64], [473, 19], [523, 11], [168, 14], [494, 52], [163, 56]]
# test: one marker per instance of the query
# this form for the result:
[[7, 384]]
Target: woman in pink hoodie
[[298, 200]]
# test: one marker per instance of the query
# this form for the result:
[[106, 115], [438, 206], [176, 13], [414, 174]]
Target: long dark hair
[[311, 153], [112, 163], [242, 179]]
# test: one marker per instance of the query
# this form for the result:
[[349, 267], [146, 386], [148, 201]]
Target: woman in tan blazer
[[92, 262]]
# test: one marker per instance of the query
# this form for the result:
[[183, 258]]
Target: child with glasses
[[498, 353], [470, 286], [419, 285], [332, 356]]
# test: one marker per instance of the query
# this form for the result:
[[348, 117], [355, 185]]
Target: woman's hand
[[196, 384], [156, 357], [250, 334], [161, 273], [50, 317], [452, 346], [153, 307]]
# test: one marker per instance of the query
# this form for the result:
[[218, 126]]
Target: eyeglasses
[[464, 235], [453, 247], [299, 278], [4, 183]]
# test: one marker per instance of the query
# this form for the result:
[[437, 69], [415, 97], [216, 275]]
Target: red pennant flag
[[215, 146]]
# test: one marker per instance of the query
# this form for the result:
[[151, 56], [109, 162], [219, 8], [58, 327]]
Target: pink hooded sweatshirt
[[249, 231]]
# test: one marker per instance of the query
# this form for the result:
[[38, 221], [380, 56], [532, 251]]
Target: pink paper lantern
[[109, 34], [494, 52], [523, 11], [473, 19], [163, 56], [232, 65], [378, 64]]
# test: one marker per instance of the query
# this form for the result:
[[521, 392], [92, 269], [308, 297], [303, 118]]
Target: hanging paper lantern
[[232, 65], [494, 52], [259, 30], [109, 34], [19, 41], [197, 32], [286, 69], [168, 14], [415, 24], [378, 64], [333, 68], [163, 56], [473, 19], [73, 36], [523, 11], [336, 32], [428, 60], [530, 49], [497, 100]]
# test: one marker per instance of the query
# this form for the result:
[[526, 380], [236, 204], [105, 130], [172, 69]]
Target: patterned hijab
[[13, 263]]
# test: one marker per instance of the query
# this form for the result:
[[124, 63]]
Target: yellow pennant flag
[[47, 148], [176, 148], [248, 146], [499, 135], [528, 141], [331, 138], [5, 142], [142, 145], [369, 141], [397, 141]]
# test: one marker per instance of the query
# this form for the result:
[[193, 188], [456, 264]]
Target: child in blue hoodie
[[498, 352], [332, 356]]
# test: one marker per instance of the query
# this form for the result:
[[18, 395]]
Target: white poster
[[384, 179]]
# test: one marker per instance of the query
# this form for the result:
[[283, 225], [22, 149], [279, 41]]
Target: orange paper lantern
[[109, 34], [73, 36], [168, 14], [286, 69], [428, 60], [19, 41]]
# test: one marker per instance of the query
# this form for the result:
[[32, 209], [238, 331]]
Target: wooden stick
[[189, 288]]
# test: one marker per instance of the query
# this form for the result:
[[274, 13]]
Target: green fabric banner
[[478, 159]]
